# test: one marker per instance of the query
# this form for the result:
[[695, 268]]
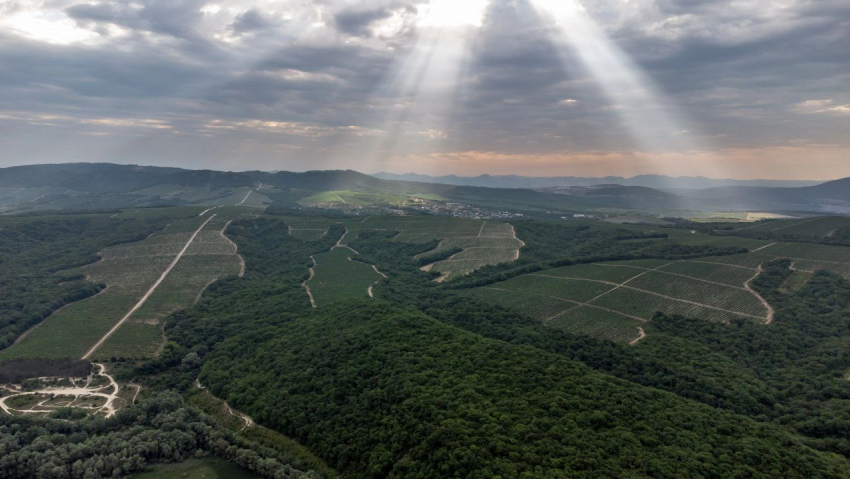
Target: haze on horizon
[[720, 88]]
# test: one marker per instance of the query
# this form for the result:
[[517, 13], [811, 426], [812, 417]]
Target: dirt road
[[150, 291], [77, 392]]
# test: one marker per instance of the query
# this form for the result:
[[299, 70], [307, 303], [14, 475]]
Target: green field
[[811, 257], [689, 238], [598, 323], [355, 198], [206, 468], [822, 226], [609, 300], [128, 271], [245, 197], [338, 277], [483, 242], [612, 300]]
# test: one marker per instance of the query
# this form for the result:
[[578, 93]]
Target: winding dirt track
[[521, 242], [771, 313], [235, 248], [77, 392], [641, 336], [307, 287], [242, 416], [150, 291]]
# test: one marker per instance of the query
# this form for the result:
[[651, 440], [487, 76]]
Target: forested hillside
[[427, 380], [292, 368], [386, 392], [161, 429]]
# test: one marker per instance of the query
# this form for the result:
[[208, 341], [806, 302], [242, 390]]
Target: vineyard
[[811, 258], [308, 229], [337, 276], [483, 242], [819, 226], [129, 271], [246, 197], [686, 237], [612, 300], [598, 323]]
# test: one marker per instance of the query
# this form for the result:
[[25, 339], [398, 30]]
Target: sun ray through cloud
[[416, 97], [653, 120]]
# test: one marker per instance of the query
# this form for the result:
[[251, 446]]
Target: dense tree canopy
[[161, 429], [426, 382], [382, 391]]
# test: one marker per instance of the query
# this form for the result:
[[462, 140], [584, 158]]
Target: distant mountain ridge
[[647, 181], [100, 185]]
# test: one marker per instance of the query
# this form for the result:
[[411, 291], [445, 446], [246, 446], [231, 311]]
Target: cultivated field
[[308, 229], [246, 197], [823, 226], [336, 277], [355, 198], [140, 290], [483, 242], [612, 300], [810, 257]]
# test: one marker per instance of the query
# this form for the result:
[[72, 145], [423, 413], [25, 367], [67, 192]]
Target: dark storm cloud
[[739, 70]]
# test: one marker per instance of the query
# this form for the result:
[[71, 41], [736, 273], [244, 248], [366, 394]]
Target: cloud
[[810, 107], [251, 21], [311, 75]]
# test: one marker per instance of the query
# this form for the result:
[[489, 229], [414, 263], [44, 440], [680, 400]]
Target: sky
[[720, 88]]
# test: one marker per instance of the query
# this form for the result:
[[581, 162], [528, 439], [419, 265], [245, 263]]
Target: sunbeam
[[650, 118], [417, 95]]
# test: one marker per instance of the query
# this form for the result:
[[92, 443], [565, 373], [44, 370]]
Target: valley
[[298, 319]]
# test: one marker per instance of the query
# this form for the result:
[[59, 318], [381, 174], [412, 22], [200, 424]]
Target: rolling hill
[[98, 186], [647, 181]]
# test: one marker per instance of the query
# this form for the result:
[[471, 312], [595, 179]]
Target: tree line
[[160, 429]]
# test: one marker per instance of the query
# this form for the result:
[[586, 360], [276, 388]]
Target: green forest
[[291, 368], [425, 381]]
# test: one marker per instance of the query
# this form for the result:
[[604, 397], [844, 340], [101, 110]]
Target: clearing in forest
[[810, 258], [336, 276], [308, 229], [130, 272], [483, 242], [613, 300]]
